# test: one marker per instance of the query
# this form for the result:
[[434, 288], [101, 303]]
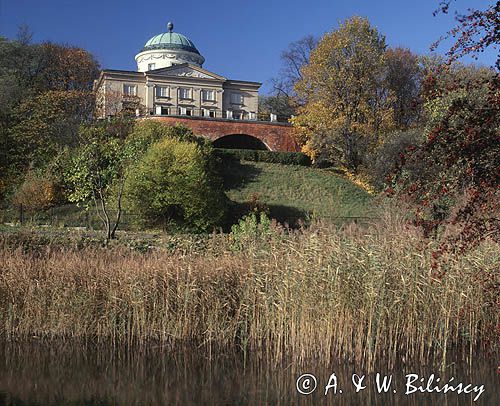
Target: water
[[38, 373]]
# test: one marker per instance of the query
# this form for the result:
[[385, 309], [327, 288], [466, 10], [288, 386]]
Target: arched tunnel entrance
[[240, 141]]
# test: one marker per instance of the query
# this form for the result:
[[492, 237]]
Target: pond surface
[[38, 373]]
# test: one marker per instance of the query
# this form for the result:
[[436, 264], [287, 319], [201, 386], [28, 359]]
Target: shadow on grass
[[287, 215], [236, 174]]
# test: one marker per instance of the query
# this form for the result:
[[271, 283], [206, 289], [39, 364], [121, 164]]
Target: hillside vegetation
[[289, 193], [292, 192]]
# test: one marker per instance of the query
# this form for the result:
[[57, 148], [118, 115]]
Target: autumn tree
[[279, 104], [65, 67], [47, 66], [403, 77], [45, 93], [456, 189], [46, 123], [346, 101], [38, 192]]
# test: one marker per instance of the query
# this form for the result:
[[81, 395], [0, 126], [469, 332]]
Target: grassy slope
[[290, 192], [294, 191]]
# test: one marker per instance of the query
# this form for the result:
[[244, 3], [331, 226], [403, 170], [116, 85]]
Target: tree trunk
[[351, 150], [107, 221], [119, 210]]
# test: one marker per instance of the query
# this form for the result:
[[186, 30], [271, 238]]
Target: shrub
[[38, 192], [457, 188], [250, 230], [147, 132], [174, 183], [382, 162], [274, 157]]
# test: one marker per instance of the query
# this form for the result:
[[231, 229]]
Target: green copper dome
[[170, 40]]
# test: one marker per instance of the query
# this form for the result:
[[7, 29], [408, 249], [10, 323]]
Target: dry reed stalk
[[356, 294]]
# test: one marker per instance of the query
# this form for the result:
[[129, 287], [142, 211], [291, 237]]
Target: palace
[[171, 86], [170, 81]]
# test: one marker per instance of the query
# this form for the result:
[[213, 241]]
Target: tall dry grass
[[363, 294]]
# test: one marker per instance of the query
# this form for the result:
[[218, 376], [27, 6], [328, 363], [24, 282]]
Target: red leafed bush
[[456, 190]]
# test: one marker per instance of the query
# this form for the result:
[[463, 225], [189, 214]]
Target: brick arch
[[276, 136], [244, 141]]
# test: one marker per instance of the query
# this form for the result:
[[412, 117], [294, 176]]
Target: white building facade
[[170, 80]]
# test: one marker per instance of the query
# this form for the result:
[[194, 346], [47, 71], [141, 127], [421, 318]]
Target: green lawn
[[293, 192]]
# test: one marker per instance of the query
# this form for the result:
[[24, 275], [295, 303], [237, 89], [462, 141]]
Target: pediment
[[188, 71]]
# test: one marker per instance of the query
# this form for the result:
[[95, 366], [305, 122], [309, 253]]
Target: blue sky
[[239, 39]]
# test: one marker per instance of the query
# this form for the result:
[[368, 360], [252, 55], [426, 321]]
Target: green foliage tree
[[97, 174], [387, 156], [15, 72], [175, 182], [444, 83], [146, 132], [252, 229], [46, 123], [279, 104]]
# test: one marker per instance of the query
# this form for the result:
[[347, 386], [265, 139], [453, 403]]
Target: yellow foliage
[[343, 92], [358, 180]]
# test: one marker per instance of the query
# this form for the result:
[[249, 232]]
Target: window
[[208, 95], [162, 91], [183, 111], [151, 66], [130, 90], [184, 93], [236, 98], [162, 110], [237, 115], [208, 113]]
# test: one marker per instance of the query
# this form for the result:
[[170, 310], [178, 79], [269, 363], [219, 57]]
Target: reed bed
[[360, 294]]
